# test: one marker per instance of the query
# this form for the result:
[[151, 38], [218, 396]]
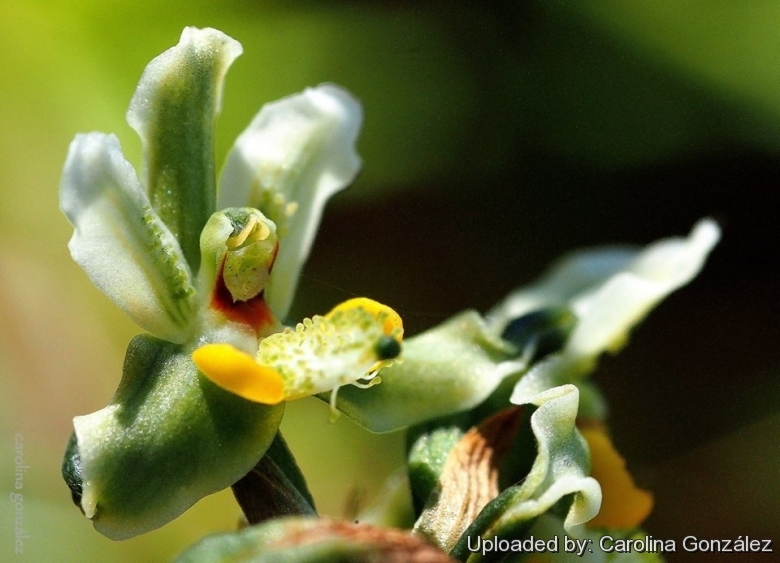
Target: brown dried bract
[[469, 480], [385, 545]]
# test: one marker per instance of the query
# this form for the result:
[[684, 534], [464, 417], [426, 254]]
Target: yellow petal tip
[[392, 326], [238, 372], [623, 505]]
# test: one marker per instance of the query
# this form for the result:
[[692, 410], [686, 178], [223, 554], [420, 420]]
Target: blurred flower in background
[[497, 137]]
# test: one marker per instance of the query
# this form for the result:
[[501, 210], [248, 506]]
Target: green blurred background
[[498, 135]]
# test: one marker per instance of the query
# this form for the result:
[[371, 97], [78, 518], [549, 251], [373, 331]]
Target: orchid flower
[[555, 330], [209, 274]]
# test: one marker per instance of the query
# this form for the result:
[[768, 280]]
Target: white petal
[[121, 243], [609, 292], [607, 313], [576, 280], [576, 272], [295, 154], [561, 463]]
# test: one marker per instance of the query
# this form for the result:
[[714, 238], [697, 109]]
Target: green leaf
[[168, 438], [449, 368], [173, 110]]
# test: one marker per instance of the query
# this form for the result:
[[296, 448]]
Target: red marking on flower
[[254, 312]]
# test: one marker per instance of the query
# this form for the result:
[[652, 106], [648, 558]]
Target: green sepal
[[168, 438], [173, 110], [447, 369]]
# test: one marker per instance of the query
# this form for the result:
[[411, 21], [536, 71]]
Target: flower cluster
[[507, 436]]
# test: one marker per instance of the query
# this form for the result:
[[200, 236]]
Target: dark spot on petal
[[387, 348], [546, 329]]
